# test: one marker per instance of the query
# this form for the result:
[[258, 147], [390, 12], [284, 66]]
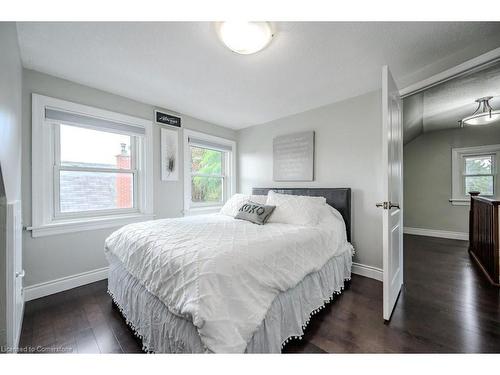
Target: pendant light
[[483, 115]]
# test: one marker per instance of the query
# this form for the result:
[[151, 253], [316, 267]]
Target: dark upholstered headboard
[[338, 198]]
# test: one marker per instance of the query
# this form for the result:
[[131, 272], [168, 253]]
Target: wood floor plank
[[86, 342], [106, 339]]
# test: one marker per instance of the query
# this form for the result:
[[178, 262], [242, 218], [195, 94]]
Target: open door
[[392, 145]]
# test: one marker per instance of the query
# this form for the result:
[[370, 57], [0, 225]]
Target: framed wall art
[[169, 144]]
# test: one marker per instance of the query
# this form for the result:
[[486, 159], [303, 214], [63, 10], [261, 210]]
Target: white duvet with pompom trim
[[222, 274]]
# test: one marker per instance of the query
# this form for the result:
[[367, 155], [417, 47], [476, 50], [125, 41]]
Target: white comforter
[[222, 273]]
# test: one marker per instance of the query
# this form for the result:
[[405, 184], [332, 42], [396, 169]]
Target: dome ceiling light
[[483, 115], [245, 37]]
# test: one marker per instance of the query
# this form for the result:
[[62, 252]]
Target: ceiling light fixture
[[245, 37], [483, 114]]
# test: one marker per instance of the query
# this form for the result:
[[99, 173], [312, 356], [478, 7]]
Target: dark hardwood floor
[[445, 306]]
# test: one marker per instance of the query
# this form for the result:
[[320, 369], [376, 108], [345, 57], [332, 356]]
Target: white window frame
[[458, 195], [46, 220], [228, 174]]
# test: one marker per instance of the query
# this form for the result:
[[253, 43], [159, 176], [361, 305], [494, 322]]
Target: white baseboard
[[437, 233], [367, 271], [64, 283]]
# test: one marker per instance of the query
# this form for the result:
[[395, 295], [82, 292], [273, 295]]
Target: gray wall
[[10, 142], [10, 110], [427, 177], [52, 257], [348, 154]]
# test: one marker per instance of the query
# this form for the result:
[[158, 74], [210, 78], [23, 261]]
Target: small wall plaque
[[166, 119], [293, 157]]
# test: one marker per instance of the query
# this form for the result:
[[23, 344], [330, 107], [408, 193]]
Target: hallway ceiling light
[[245, 37], [483, 115]]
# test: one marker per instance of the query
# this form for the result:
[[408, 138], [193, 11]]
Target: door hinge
[[20, 274]]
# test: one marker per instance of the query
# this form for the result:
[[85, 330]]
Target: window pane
[[206, 189], [478, 164], [483, 184], [206, 161], [89, 191], [83, 147]]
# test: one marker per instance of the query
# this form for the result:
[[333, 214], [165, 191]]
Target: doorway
[[442, 162]]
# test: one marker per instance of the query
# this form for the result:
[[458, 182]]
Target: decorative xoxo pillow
[[255, 212]]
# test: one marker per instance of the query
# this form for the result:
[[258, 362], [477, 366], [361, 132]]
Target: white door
[[392, 141], [15, 274]]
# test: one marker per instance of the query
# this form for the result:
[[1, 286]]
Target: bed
[[214, 284]]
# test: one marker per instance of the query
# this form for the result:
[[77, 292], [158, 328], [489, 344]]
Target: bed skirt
[[163, 332]]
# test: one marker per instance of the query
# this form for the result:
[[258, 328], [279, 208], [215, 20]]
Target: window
[[478, 174], [209, 171], [474, 169], [207, 175], [91, 168], [94, 171]]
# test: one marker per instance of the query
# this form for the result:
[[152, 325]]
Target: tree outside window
[[207, 175]]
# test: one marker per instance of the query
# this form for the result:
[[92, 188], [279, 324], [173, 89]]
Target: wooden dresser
[[484, 229]]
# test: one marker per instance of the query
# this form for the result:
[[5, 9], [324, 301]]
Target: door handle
[[383, 205], [387, 205], [20, 274]]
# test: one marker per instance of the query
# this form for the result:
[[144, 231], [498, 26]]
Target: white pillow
[[295, 209], [237, 200]]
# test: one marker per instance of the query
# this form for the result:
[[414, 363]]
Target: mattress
[[164, 332]]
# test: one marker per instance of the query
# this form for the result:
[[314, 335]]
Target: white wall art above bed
[[293, 157], [169, 155]]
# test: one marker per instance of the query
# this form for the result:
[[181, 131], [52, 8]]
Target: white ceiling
[[185, 68]]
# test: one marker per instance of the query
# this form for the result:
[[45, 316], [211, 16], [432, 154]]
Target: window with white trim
[[474, 169], [209, 171], [91, 168]]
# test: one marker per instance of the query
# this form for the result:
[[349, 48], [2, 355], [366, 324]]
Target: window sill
[[79, 225], [459, 201]]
